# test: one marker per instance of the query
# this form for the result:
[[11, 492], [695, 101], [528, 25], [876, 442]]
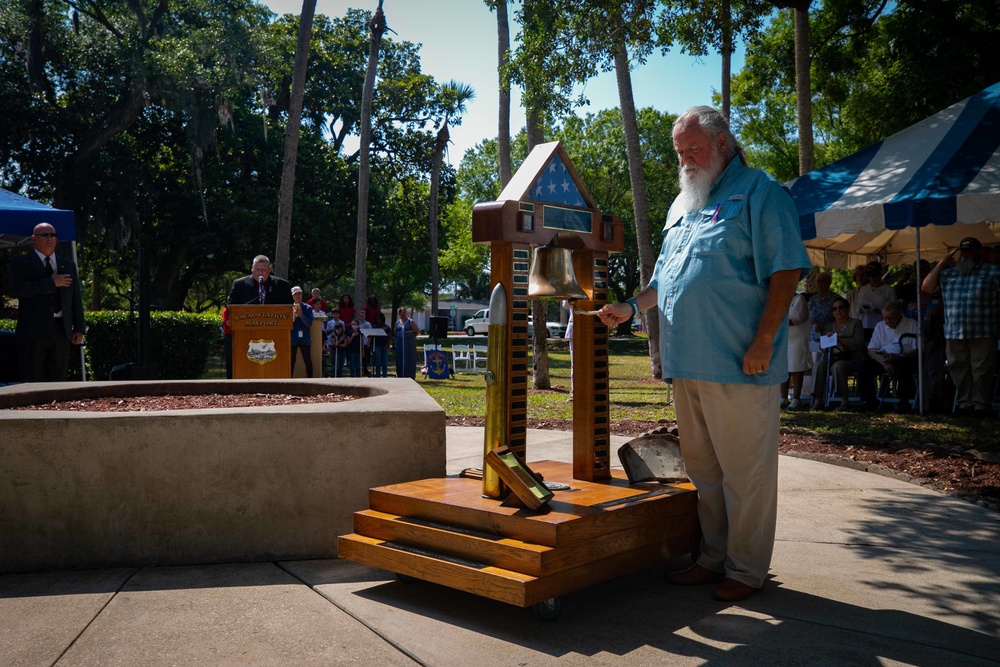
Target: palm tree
[[454, 97], [640, 203], [282, 250], [803, 84], [503, 129], [377, 27]]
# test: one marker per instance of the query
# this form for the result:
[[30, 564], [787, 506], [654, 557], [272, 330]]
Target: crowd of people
[[356, 342], [872, 333]]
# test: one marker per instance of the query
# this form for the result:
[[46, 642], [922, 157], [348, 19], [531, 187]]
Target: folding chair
[[461, 358], [479, 356]]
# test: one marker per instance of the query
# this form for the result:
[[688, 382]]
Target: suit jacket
[[244, 291], [34, 288]]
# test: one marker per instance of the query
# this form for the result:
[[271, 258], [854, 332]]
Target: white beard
[[696, 183]]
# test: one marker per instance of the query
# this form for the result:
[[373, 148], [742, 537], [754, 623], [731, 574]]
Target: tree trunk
[[539, 339], [96, 287], [640, 205], [803, 88], [503, 129], [439, 146], [377, 27], [282, 247]]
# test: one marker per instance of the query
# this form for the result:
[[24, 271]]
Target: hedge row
[[179, 343]]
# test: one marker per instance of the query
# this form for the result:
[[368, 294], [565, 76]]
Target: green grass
[[636, 396]]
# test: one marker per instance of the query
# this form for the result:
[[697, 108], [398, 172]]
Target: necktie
[[56, 301], [260, 292]]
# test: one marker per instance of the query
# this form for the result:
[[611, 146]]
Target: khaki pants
[[971, 363], [729, 441]]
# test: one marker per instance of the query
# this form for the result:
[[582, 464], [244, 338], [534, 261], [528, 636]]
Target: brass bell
[[552, 275]]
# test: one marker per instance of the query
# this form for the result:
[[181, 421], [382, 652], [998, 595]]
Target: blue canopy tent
[[915, 193], [18, 217]]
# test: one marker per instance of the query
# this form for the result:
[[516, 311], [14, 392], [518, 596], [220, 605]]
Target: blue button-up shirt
[[712, 277]]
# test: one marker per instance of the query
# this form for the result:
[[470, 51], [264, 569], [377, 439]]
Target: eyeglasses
[[46, 235], [839, 308]]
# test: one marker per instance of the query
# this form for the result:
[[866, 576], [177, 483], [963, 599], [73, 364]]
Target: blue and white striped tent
[[927, 186]]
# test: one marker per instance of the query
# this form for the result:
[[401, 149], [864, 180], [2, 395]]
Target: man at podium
[[260, 287]]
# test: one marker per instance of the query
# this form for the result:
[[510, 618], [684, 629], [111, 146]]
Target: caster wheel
[[405, 578], [548, 610]]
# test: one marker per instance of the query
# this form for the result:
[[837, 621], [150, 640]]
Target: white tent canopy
[[925, 187]]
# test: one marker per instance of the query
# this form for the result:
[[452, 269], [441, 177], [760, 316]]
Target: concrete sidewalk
[[867, 570]]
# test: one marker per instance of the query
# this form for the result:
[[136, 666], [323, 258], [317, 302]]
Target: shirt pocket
[[727, 234]]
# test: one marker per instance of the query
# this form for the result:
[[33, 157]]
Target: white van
[[478, 325]]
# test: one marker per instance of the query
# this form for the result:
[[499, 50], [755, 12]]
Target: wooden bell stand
[[443, 530]]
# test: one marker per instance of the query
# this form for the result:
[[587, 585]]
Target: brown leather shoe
[[733, 591], [695, 575]]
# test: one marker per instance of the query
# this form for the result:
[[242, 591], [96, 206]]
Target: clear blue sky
[[458, 39]]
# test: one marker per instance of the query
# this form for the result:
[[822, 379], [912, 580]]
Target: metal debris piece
[[654, 456]]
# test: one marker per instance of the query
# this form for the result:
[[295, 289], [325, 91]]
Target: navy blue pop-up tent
[[19, 215], [915, 193]]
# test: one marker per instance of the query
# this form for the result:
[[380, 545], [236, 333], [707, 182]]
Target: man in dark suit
[[260, 287], [49, 311]]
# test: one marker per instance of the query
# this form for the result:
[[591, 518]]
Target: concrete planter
[[88, 489]]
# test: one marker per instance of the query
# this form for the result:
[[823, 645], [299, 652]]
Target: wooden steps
[[443, 531]]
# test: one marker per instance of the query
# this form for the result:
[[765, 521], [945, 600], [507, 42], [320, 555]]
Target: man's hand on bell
[[613, 314]]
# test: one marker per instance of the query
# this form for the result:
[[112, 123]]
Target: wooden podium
[[262, 341]]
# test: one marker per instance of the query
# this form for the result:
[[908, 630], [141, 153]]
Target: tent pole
[[83, 361], [920, 333]]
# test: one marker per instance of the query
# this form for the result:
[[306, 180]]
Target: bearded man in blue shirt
[[731, 258]]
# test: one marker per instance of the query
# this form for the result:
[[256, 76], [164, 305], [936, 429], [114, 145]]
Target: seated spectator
[[843, 357], [889, 352]]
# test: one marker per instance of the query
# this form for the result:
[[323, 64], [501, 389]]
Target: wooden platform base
[[443, 531]]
